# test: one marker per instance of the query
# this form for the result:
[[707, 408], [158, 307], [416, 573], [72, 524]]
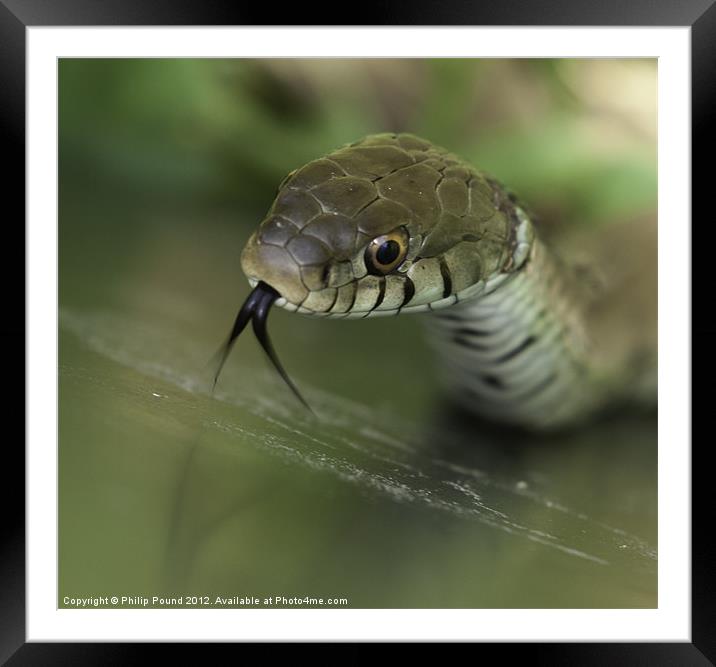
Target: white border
[[670, 622]]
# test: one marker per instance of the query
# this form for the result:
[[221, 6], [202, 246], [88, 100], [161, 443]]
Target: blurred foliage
[[577, 139]]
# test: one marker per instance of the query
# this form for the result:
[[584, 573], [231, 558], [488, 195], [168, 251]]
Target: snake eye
[[387, 252]]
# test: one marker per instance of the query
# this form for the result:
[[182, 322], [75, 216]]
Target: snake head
[[388, 224]]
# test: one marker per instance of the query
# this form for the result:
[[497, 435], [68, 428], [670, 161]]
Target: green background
[[390, 498]]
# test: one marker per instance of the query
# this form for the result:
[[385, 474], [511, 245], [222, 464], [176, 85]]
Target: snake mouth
[[256, 309]]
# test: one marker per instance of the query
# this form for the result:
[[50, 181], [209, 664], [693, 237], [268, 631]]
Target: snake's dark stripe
[[408, 291], [493, 381], [447, 278], [517, 350], [462, 340], [470, 331], [381, 296], [353, 298]]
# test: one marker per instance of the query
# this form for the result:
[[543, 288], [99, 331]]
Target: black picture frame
[[17, 15]]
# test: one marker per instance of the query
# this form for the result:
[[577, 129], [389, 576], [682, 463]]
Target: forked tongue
[[256, 309]]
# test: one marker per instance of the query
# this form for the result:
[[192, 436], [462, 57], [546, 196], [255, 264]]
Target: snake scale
[[393, 224]]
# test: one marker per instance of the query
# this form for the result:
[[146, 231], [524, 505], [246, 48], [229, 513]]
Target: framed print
[[504, 456]]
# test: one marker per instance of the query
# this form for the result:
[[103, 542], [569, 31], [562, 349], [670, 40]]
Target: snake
[[393, 224]]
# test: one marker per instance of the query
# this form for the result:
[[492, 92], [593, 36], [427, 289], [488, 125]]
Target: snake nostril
[[325, 275]]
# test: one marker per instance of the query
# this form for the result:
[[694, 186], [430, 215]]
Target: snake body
[[392, 224]]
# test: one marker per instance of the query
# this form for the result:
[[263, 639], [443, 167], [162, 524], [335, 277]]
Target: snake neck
[[521, 353]]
